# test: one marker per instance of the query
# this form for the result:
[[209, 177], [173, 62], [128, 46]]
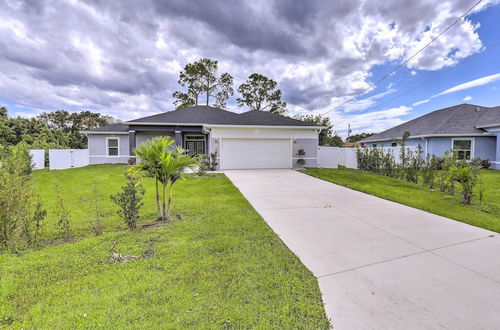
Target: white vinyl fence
[[332, 157], [38, 158], [60, 159]]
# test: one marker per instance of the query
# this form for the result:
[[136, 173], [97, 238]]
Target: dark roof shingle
[[459, 119], [201, 114]]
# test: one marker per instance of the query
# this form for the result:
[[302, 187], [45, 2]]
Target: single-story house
[[250, 140], [471, 131]]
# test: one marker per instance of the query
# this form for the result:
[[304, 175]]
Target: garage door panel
[[256, 153]]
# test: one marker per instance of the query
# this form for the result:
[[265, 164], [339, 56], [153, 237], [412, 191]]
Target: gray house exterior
[[470, 130], [250, 140]]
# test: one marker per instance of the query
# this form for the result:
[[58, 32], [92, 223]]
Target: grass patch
[[485, 216], [220, 266]]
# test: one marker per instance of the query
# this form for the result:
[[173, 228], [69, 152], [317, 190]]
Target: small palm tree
[[149, 155], [173, 168]]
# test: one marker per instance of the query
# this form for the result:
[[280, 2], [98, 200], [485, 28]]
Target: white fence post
[[38, 158], [60, 159]]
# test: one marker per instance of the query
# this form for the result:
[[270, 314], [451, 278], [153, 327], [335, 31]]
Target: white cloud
[[376, 121], [124, 59], [468, 98], [472, 84], [420, 102]]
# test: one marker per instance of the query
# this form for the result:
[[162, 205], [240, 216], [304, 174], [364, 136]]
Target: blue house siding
[[496, 164]]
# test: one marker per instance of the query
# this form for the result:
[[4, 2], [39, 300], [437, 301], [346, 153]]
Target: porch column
[[178, 138], [131, 143]]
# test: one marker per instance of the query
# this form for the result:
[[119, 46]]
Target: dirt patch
[[117, 257]]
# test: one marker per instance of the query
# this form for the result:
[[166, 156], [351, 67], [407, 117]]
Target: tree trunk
[[164, 202], [208, 91], [169, 201], [158, 204]]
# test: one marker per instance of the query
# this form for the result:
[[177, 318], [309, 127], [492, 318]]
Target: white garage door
[[255, 153]]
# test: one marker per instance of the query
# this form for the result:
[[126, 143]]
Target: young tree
[[130, 201], [258, 93], [15, 190], [63, 223], [173, 168], [201, 77], [149, 153]]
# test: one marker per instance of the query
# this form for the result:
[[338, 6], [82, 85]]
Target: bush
[[429, 171], [204, 165], [414, 164], [130, 201], [467, 177], [480, 163], [96, 223], [15, 192], [213, 161], [63, 223]]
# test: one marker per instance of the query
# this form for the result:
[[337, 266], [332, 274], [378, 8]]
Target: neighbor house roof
[[491, 118], [206, 115], [459, 120]]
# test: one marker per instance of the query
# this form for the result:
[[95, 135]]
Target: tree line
[[55, 130]]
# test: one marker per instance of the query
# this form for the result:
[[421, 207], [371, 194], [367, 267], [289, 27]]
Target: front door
[[195, 147]]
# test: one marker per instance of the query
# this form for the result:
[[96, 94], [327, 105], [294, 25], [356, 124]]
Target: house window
[[112, 146], [394, 144], [374, 145], [462, 148]]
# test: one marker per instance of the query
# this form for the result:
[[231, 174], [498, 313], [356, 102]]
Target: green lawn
[[486, 216], [220, 266]]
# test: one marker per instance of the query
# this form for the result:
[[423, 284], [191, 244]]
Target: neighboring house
[[250, 140], [471, 131]]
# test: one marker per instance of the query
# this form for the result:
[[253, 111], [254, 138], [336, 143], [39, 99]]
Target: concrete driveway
[[380, 265]]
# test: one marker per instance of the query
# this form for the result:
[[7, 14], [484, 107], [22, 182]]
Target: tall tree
[[258, 93], [201, 77], [326, 133]]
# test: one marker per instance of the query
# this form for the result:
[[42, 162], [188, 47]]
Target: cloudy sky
[[123, 57]]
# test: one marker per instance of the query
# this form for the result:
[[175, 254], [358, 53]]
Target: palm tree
[[149, 155], [173, 168]]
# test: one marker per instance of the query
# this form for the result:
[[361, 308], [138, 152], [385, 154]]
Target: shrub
[[481, 163], [130, 201], [370, 159], [204, 165], [467, 177], [63, 223], [39, 214], [32, 224], [429, 171], [213, 161], [96, 224], [414, 163], [301, 161], [389, 166], [15, 190]]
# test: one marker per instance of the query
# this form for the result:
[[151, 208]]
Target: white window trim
[[472, 145], [107, 146]]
